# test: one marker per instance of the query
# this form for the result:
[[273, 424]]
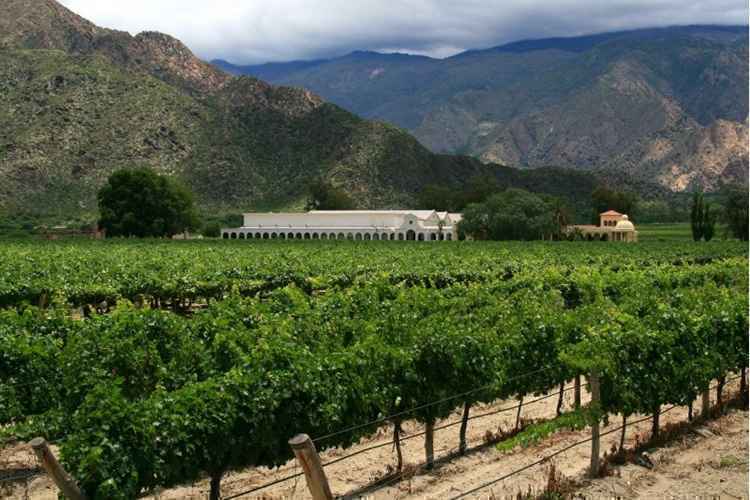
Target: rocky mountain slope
[[665, 105], [78, 101]]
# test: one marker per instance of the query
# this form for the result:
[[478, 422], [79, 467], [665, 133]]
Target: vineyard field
[[153, 364]]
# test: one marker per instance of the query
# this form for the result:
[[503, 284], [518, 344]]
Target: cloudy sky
[[254, 31]]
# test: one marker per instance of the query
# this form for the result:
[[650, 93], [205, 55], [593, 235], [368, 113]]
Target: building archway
[[420, 237], [225, 236], [350, 236], [368, 237], [393, 236], [274, 236], [433, 237], [411, 235], [258, 236], [324, 236], [316, 236], [441, 237], [234, 236], [265, 236], [358, 237], [450, 237], [307, 236]]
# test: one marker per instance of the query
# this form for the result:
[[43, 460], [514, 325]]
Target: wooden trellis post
[[595, 402], [309, 460], [55, 471]]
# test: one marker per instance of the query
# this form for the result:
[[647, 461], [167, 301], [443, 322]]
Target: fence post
[[308, 458], [429, 443], [55, 471], [595, 402]]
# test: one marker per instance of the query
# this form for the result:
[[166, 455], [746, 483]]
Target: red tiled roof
[[611, 212]]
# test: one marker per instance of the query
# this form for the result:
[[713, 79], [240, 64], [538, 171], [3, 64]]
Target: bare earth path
[[711, 465]]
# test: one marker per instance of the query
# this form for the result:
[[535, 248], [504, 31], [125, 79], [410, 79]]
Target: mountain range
[[663, 105], [78, 101]]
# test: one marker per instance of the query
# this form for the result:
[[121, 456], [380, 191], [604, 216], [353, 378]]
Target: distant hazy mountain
[[78, 101], [667, 105]]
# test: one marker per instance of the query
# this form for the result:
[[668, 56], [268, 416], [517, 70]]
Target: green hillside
[[78, 102]]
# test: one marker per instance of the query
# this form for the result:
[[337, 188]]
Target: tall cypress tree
[[697, 216], [709, 223]]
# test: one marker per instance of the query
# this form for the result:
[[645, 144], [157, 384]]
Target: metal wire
[[18, 477], [446, 426], [421, 407], [257, 488], [563, 450], [552, 455], [389, 443]]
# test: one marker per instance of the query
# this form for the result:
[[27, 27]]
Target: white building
[[378, 225]]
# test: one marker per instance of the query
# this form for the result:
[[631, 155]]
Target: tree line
[[141, 203]]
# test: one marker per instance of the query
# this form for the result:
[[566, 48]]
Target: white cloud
[[252, 31]]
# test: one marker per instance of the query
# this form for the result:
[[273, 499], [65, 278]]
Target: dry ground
[[710, 462], [712, 465]]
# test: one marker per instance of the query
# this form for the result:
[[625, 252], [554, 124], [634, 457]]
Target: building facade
[[361, 225], [613, 226]]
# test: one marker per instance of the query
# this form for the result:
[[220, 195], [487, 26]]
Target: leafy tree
[[325, 196], [736, 213], [561, 214], [211, 230], [512, 215], [477, 190], [657, 211], [604, 199], [436, 197], [139, 202]]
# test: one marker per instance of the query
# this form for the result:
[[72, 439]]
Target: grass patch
[[729, 461], [536, 432], [677, 232], [665, 232]]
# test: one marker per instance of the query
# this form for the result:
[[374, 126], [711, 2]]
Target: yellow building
[[613, 226]]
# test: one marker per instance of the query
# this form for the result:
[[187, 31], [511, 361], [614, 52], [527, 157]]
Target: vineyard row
[[145, 398]]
